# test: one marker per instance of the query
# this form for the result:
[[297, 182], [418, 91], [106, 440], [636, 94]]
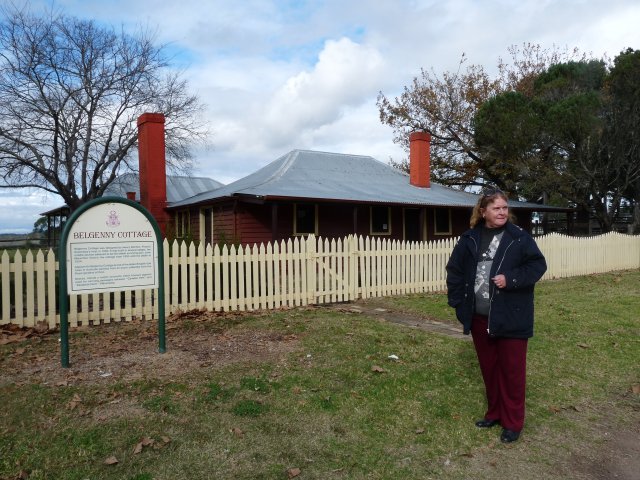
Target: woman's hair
[[487, 197]]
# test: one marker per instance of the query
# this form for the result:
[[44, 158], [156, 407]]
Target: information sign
[[111, 247], [109, 244]]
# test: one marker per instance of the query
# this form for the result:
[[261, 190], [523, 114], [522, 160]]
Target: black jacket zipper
[[493, 290]]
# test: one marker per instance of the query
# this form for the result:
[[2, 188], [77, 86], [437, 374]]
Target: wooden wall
[[249, 223]]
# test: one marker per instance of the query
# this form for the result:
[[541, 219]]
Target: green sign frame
[[63, 297]]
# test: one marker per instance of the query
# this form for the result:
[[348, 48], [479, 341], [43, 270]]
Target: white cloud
[[346, 75], [20, 208]]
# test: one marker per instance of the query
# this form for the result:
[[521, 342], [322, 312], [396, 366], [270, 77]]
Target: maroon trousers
[[503, 363]]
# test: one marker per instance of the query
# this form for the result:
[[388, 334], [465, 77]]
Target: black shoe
[[486, 423], [509, 436]]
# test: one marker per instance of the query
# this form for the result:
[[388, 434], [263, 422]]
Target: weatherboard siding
[[249, 223]]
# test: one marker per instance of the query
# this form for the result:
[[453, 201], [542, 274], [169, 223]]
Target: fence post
[[351, 252], [311, 254]]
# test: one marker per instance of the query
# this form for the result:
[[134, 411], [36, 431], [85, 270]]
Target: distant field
[[12, 240]]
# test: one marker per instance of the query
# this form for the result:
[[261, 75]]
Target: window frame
[[295, 219], [183, 223], [380, 233], [449, 230], [203, 224]]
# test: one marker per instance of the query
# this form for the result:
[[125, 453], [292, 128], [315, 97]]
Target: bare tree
[[70, 95]]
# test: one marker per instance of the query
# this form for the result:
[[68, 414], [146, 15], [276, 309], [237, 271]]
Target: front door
[[412, 224]]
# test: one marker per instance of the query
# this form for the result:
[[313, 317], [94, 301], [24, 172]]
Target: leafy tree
[[505, 129], [40, 226], [70, 94], [446, 106], [572, 143], [623, 88]]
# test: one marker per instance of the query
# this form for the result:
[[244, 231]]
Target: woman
[[490, 279]]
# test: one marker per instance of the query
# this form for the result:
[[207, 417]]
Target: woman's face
[[496, 213]]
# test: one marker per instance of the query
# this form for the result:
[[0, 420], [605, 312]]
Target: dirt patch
[[599, 446], [380, 309], [127, 352], [617, 455]]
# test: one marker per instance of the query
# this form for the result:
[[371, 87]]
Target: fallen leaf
[[75, 401], [237, 432], [144, 442], [41, 327], [377, 369], [165, 440], [20, 351], [420, 431], [111, 461], [293, 472], [554, 409], [583, 345], [635, 389]]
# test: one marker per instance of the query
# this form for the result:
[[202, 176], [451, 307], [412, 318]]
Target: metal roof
[[305, 174], [178, 187]]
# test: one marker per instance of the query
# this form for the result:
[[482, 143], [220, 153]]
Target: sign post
[[109, 244]]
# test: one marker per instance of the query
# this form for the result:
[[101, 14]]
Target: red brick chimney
[[153, 175], [420, 159]]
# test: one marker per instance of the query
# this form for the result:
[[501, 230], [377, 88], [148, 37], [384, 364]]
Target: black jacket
[[519, 259]]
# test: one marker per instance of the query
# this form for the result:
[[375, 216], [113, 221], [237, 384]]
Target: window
[[206, 226], [182, 224], [442, 221], [305, 219], [380, 220]]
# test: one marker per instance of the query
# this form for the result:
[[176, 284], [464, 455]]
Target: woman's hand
[[500, 281]]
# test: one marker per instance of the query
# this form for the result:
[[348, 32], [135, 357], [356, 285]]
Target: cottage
[[303, 192], [330, 195]]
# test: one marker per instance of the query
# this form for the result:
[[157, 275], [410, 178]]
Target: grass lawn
[[312, 394]]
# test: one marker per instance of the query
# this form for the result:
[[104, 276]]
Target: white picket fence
[[284, 274]]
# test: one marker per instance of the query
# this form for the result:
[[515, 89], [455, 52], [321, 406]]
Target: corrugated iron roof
[[178, 187], [305, 174]]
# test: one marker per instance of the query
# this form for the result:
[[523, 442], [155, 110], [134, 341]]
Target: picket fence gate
[[295, 272]]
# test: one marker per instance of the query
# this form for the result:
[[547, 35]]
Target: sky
[[295, 74]]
